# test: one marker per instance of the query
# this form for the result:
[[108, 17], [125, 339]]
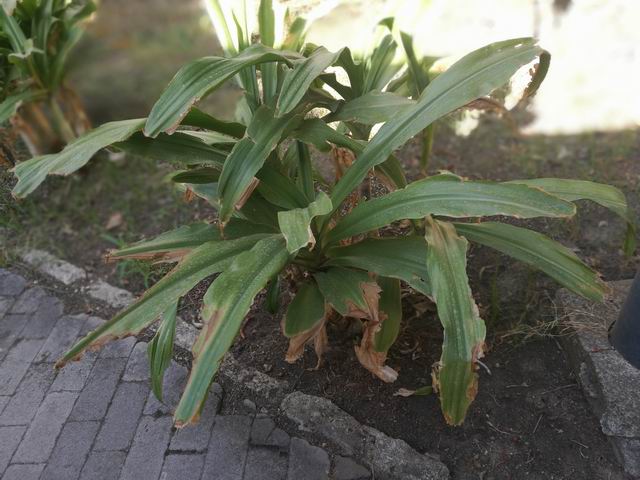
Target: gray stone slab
[[263, 462], [264, 433], [42, 321], [175, 379], [61, 338], [71, 451], [16, 363], [10, 327], [23, 472], [182, 466], [5, 305], [228, 447], [146, 455], [11, 284], [137, 369], [49, 265], [113, 296], [10, 438], [263, 386], [345, 468], [389, 457], [118, 348], [196, 437], [610, 383], [94, 399], [28, 396], [74, 375], [103, 466], [40, 438], [307, 462], [122, 418], [29, 300], [3, 402]]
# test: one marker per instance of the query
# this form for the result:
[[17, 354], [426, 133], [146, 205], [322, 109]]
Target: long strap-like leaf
[[464, 330], [475, 75], [209, 258], [450, 196], [197, 79], [605, 195], [248, 156], [539, 251], [225, 305], [401, 258], [75, 155]]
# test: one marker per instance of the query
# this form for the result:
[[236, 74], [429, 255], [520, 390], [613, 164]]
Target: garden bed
[[529, 417]]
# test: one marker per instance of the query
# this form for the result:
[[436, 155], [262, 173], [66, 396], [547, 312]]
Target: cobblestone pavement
[[97, 419]]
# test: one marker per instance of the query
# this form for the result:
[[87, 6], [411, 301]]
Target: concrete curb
[[610, 383], [388, 458]]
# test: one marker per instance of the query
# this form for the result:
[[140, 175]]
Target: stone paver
[[96, 419], [23, 472], [71, 451], [228, 448], [182, 467], [97, 393], [122, 418]]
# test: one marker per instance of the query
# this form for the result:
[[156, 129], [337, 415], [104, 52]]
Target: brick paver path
[[97, 419]]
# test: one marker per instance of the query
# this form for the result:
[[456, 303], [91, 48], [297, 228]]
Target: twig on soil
[[559, 388], [537, 423], [484, 366], [515, 434]]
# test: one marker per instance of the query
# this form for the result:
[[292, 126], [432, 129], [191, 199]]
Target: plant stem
[[60, 123], [427, 144]]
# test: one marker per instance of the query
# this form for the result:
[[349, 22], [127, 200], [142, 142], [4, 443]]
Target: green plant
[[36, 37], [278, 216]]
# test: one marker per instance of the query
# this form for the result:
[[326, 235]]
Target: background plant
[[36, 37], [278, 216]]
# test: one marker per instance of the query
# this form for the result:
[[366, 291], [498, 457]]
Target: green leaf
[[298, 80], [226, 303], [223, 25], [178, 242], [604, 195], [391, 306], [304, 168], [200, 119], [160, 349], [419, 77], [209, 258], [450, 196], [400, 257], [179, 147], [317, 133], [342, 288], [247, 158], [267, 26], [305, 310], [464, 330], [197, 79], [379, 66], [539, 251], [197, 176], [10, 105], [273, 296], [279, 189], [371, 108], [12, 30], [75, 155], [474, 76], [295, 224]]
